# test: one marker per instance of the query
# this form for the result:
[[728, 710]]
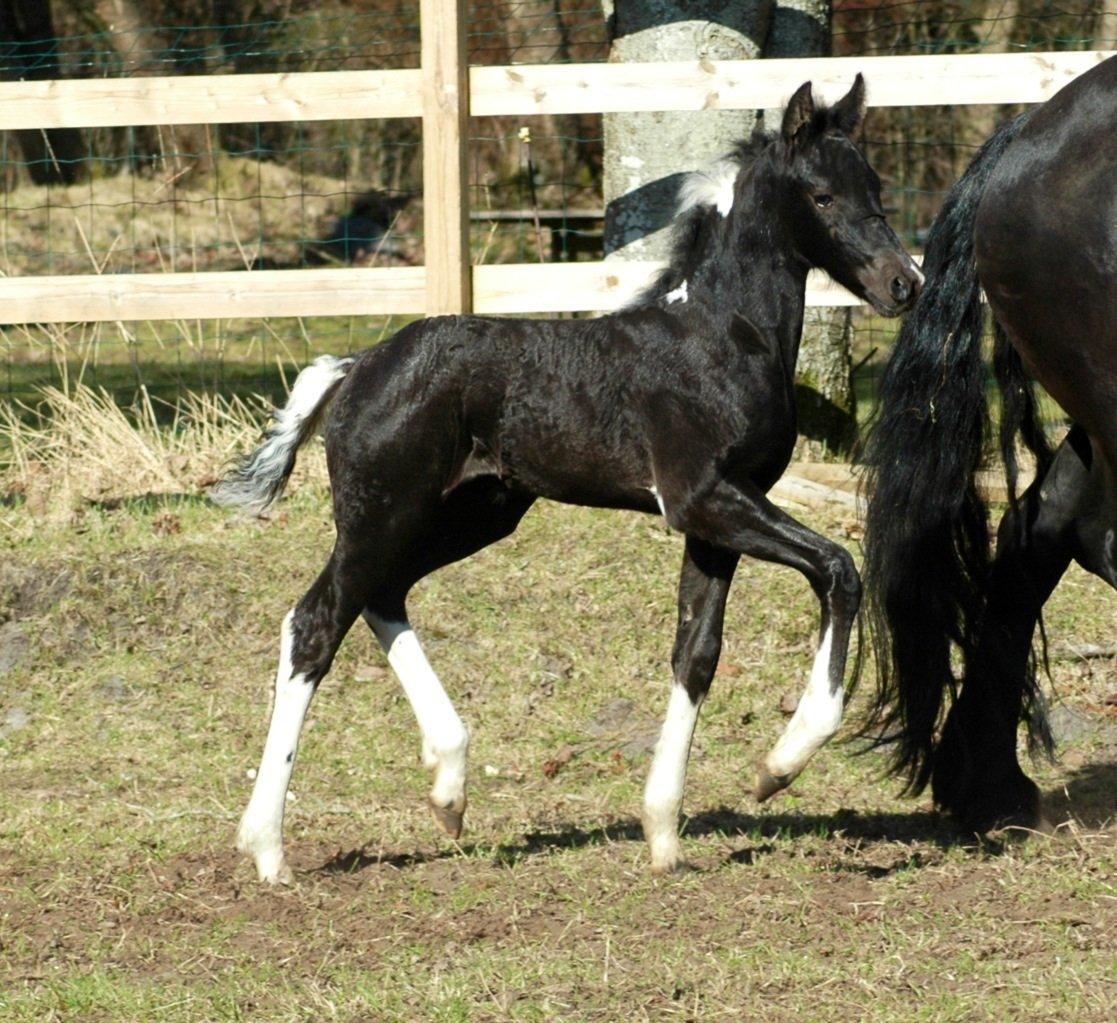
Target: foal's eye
[[822, 201]]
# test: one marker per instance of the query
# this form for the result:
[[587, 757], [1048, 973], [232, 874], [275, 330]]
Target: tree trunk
[[824, 372], [647, 154], [55, 156]]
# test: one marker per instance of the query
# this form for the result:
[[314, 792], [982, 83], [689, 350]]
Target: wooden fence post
[[445, 135]]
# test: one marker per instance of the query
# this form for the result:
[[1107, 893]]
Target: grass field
[[137, 644]]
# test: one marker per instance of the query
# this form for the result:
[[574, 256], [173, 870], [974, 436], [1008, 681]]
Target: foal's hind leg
[[739, 517], [703, 588], [445, 738], [312, 632], [473, 516]]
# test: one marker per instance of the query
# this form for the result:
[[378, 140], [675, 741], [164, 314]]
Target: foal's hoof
[[282, 875], [448, 818], [768, 784], [674, 865]]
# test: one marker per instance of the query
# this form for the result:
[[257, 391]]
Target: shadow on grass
[[849, 825], [1088, 797]]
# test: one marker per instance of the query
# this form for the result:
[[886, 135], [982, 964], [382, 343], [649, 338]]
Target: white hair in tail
[[711, 186], [258, 479]]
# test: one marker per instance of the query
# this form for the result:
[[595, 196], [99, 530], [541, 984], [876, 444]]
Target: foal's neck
[[753, 268]]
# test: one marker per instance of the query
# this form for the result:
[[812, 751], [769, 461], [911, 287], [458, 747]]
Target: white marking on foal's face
[[658, 500], [678, 294], [816, 719]]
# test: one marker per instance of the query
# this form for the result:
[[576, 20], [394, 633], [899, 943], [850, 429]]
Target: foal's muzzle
[[893, 284]]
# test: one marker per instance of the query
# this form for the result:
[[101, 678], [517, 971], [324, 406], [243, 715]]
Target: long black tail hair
[[926, 535]]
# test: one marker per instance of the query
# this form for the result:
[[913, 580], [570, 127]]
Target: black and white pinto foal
[[440, 439]]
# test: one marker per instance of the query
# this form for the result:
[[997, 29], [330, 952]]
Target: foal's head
[[831, 199]]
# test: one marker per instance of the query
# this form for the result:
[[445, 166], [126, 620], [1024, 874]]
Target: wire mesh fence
[[285, 195]]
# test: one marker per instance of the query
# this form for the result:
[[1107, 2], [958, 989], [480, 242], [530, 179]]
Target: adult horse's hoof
[[448, 818], [982, 802], [768, 784]]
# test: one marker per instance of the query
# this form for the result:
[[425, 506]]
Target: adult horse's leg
[[975, 771], [704, 584], [311, 634], [473, 516], [738, 516]]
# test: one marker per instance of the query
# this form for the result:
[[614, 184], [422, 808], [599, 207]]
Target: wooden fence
[[445, 93]]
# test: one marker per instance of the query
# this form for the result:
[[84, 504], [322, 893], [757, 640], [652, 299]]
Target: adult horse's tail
[[926, 535], [258, 478]]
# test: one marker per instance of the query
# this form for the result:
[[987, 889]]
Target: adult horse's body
[[440, 439], [1034, 223]]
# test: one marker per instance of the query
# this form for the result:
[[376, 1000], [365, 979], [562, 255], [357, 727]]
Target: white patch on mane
[[679, 294], [712, 186]]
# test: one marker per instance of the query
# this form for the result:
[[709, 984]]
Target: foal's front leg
[[738, 516], [703, 586]]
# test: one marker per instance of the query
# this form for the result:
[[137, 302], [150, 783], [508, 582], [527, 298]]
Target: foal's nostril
[[899, 289]]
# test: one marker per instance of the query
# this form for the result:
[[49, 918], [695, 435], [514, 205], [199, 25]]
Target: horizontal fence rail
[[936, 80], [518, 90], [210, 99], [378, 291], [531, 89]]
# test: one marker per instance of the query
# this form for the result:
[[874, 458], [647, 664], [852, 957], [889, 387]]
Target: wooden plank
[[218, 295], [584, 287], [516, 288], [445, 169], [523, 90], [210, 99], [926, 80]]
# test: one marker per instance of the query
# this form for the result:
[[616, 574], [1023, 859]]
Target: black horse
[[1032, 222], [440, 439]]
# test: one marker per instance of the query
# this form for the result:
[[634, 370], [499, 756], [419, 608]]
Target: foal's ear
[[800, 110], [847, 114]]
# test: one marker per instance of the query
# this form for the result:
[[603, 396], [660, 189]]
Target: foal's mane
[[699, 222], [699, 218]]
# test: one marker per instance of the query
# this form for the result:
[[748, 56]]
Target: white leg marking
[[815, 720], [445, 739], [663, 793], [261, 828]]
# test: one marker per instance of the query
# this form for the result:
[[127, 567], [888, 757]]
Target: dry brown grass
[[83, 447]]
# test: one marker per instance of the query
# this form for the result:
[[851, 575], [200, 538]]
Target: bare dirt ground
[[136, 647]]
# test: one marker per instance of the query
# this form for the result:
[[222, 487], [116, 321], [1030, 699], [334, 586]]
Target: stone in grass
[[14, 721], [115, 689], [14, 647], [1069, 725], [632, 730]]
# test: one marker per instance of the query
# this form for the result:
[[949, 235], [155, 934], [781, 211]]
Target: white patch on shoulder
[[712, 186], [678, 294]]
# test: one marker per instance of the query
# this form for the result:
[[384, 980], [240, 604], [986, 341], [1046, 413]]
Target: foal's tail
[[258, 478], [926, 534]]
